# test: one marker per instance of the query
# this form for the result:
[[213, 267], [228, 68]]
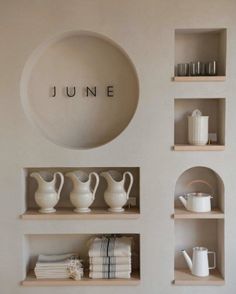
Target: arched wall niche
[[200, 179]]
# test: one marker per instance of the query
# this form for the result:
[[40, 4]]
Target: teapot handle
[[96, 184], [61, 184], [130, 184], [202, 182]]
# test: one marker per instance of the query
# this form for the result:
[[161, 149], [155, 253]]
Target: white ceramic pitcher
[[46, 195], [199, 266], [115, 194], [82, 196]]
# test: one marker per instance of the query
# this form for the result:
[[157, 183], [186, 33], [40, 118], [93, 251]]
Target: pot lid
[[198, 194]]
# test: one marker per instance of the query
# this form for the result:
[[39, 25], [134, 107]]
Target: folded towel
[[59, 266], [110, 247], [111, 275], [110, 267], [110, 260]]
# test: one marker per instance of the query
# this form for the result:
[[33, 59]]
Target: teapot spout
[[187, 259], [183, 201]]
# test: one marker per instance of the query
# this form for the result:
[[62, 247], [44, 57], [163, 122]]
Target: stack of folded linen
[[110, 258], [61, 266]]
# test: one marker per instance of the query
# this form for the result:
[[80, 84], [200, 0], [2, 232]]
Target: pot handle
[[202, 182], [130, 184], [214, 259]]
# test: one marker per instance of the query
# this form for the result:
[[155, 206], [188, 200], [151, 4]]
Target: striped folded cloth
[[110, 260], [109, 275], [110, 267], [110, 247]]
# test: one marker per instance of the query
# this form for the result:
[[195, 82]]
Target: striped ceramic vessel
[[198, 130]]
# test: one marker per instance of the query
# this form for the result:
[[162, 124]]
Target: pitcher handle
[[130, 184], [214, 256], [96, 184], [61, 184]]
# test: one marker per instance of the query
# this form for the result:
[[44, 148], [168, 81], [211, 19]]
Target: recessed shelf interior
[[35, 244], [213, 107], [201, 45], [207, 233], [64, 206]]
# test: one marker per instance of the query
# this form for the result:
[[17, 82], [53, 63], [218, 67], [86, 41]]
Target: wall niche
[[80, 90], [64, 207]]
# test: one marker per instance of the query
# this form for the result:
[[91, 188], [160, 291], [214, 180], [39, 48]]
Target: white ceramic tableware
[[115, 195], [82, 195], [199, 266], [46, 195], [197, 128]]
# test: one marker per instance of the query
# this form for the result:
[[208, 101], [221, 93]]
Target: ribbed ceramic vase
[[198, 129]]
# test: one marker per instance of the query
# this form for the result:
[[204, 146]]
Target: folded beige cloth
[[111, 275], [110, 260], [110, 267]]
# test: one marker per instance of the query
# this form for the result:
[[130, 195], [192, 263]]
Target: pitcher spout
[[107, 176], [72, 176], [187, 259], [37, 177]]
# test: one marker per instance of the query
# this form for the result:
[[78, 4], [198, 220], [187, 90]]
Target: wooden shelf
[[69, 214], [187, 147], [181, 213], [185, 278], [200, 79], [32, 281]]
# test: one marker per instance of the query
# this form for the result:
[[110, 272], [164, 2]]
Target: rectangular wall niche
[[35, 244], [203, 45], [64, 208], [207, 233], [214, 108]]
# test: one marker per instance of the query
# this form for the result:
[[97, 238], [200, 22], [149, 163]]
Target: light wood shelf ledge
[[199, 79], [186, 147], [69, 214], [32, 281], [185, 278], [181, 213]]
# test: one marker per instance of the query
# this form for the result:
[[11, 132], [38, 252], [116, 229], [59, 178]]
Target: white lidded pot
[[197, 128], [197, 201]]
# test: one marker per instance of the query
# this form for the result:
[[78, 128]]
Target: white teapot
[[82, 196], [115, 194], [197, 201], [46, 195]]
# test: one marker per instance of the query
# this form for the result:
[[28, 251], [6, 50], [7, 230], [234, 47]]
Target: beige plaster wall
[[145, 29]]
